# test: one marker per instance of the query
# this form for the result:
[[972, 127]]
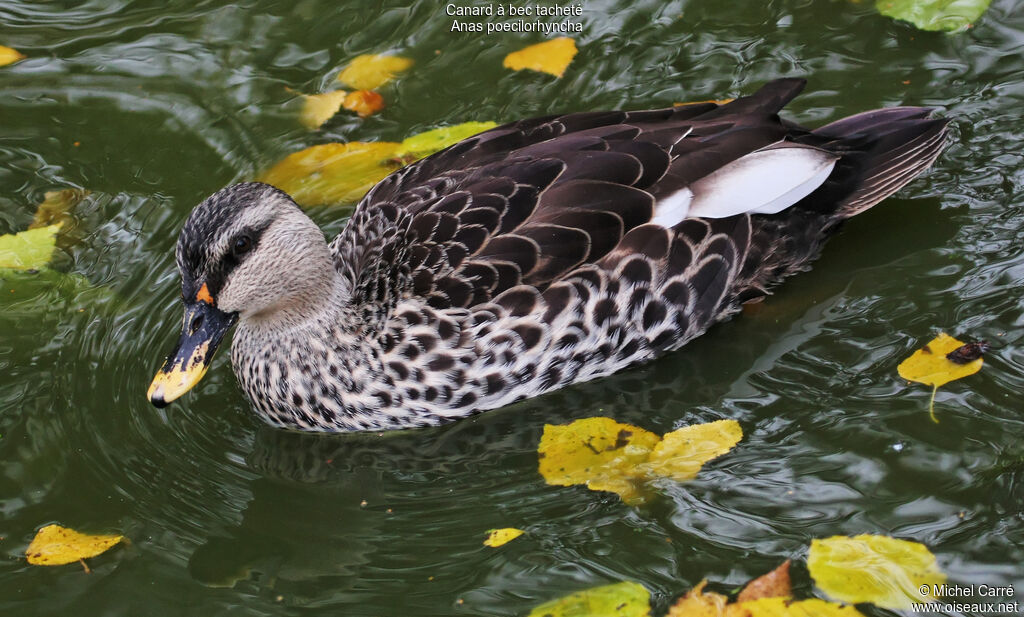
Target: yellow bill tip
[[169, 385]]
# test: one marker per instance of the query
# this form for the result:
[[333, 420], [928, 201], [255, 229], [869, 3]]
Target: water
[[154, 105]]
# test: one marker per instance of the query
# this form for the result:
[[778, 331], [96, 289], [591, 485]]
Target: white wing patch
[[763, 182]]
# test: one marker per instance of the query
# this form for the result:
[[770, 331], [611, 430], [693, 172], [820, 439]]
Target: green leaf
[[28, 250], [935, 15], [626, 599], [429, 142]]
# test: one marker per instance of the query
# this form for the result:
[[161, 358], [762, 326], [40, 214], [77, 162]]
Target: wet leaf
[[551, 57], [947, 15], [626, 599], [55, 545], [697, 603], [331, 174], [364, 102], [435, 140], [371, 71], [931, 365], [883, 571], [28, 250], [682, 453], [715, 101], [9, 56], [606, 455], [498, 537], [57, 207], [319, 108], [775, 584]]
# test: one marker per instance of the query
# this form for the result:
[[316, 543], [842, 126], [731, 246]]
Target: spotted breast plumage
[[535, 255]]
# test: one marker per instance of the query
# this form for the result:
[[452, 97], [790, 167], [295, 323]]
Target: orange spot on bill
[[204, 295]]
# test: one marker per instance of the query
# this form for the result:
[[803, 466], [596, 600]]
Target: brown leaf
[[775, 584], [968, 352]]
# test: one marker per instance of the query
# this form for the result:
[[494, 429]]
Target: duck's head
[[247, 253]]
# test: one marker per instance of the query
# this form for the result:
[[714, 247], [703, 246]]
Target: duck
[[535, 255]]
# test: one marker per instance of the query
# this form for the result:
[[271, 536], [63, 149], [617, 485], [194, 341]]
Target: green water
[[153, 105]]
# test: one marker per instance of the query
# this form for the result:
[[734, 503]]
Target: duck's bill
[[202, 331]]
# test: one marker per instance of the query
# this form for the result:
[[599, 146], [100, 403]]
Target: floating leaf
[[948, 15], [364, 102], [626, 599], [697, 603], [883, 571], [9, 56], [682, 453], [548, 57], [56, 207], [606, 455], [931, 366], [55, 545], [319, 108], [775, 584], [333, 173], [28, 250], [371, 71], [715, 101], [497, 537], [429, 142]]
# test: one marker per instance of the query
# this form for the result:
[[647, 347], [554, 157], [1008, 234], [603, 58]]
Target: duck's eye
[[242, 245]]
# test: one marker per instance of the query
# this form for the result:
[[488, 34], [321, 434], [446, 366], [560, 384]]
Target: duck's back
[[559, 249]]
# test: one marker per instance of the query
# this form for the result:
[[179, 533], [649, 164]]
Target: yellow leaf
[[609, 456], [696, 603], [682, 453], [780, 607], [598, 452], [930, 366], [715, 101], [626, 599], [57, 207], [883, 571], [55, 545], [9, 56], [334, 173], [364, 102], [548, 57], [28, 250], [371, 71], [429, 142], [319, 108], [497, 537]]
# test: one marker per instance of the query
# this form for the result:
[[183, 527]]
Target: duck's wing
[[532, 201]]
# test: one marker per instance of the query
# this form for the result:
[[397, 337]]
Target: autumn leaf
[[56, 207], [932, 366], [319, 108], [498, 537], [434, 140], [775, 584], [883, 571], [551, 57], [947, 15], [9, 56], [364, 102], [371, 71], [28, 250], [698, 603], [55, 545], [626, 599], [606, 455], [336, 173]]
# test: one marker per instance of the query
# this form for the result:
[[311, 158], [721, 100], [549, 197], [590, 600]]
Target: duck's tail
[[881, 150]]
